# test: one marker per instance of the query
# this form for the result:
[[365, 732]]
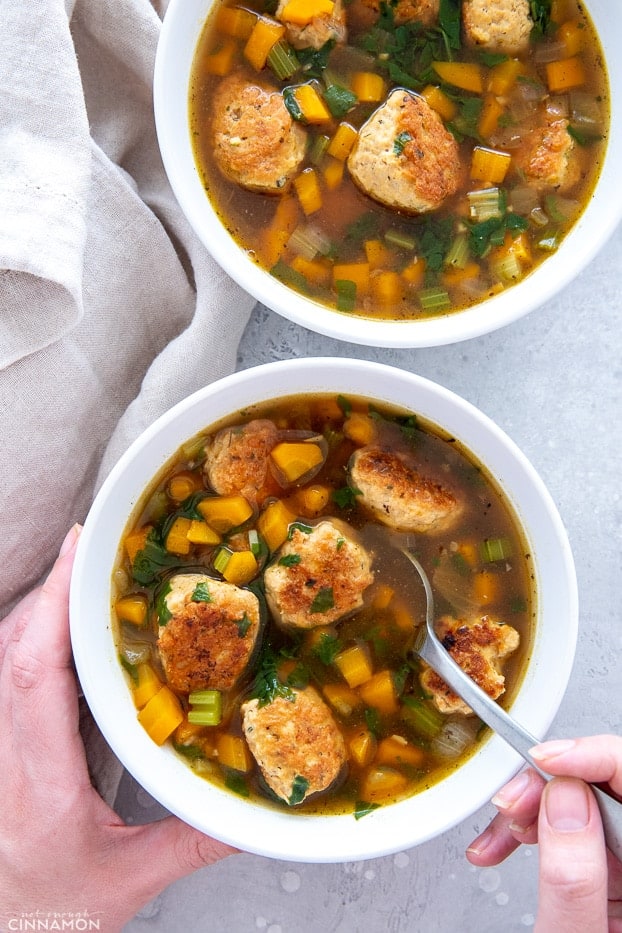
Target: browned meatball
[[404, 157], [478, 645], [211, 634], [238, 461], [548, 156], [257, 144], [318, 576], [398, 495], [497, 25], [296, 743]]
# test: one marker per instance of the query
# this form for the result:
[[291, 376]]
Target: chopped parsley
[[243, 625], [298, 526], [299, 789], [267, 685], [289, 560], [323, 601], [400, 142], [491, 232], [201, 594], [327, 648], [345, 497]]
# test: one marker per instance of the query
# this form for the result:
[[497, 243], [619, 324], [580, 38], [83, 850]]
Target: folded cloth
[[111, 310]]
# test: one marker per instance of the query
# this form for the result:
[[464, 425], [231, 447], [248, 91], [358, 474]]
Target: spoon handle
[[514, 734]]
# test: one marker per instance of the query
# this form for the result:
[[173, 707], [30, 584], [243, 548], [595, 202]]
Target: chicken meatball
[[497, 25], [393, 490], [479, 646], [237, 461], [209, 633], [410, 11], [548, 156], [319, 576], [257, 144], [404, 157], [296, 743], [317, 31]]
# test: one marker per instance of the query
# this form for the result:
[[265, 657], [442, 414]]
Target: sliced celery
[[484, 204], [493, 549], [222, 558], [458, 253], [434, 299], [206, 707], [400, 239], [283, 60]]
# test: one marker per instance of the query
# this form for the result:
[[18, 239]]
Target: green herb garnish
[[289, 560], [201, 594], [299, 789], [363, 807], [323, 601], [345, 497]]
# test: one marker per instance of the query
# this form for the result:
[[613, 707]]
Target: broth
[[529, 130], [397, 742]]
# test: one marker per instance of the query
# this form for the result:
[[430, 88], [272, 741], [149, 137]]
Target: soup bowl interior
[[258, 828], [182, 26]]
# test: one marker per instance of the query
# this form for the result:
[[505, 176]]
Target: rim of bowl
[[262, 830], [180, 31]]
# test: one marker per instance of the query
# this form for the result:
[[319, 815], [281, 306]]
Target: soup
[[266, 616], [404, 159]]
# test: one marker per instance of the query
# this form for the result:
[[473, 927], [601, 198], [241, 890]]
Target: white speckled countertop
[[552, 381]]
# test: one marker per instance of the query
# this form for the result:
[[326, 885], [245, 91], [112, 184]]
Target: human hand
[[580, 885], [63, 850]]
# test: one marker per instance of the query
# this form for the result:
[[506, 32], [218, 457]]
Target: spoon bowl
[[429, 647]]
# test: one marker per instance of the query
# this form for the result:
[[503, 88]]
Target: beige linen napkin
[[110, 308]]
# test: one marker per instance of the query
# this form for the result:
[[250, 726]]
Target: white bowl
[[256, 828], [180, 32]]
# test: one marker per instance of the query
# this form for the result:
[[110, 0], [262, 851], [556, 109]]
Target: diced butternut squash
[[382, 596], [182, 485], [312, 108], [386, 287], [275, 237], [307, 188], [332, 172], [452, 277], [465, 75], [233, 752], [565, 74], [342, 698], [368, 86], [135, 541], [340, 145], [381, 782], [395, 750], [359, 428], [316, 271], [132, 608], [377, 253], [187, 733], [294, 459], [161, 715], [357, 272], [313, 499], [201, 533], [235, 21], [572, 34], [489, 165], [467, 551], [403, 616], [177, 538], [414, 273], [302, 12], [266, 32], [362, 747], [379, 691], [274, 522], [488, 121], [219, 61], [147, 685], [439, 101], [355, 665], [486, 587], [222, 513], [241, 568], [503, 76]]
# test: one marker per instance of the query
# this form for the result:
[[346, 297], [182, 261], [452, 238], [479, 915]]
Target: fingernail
[[479, 845], [552, 749], [566, 805], [518, 828], [509, 794], [70, 540]]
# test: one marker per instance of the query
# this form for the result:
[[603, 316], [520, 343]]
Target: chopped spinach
[[299, 789], [491, 232], [339, 100], [323, 601], [152, 559], [541, 16], [363, 807], [327, 648], [163, 613], [267, 685]]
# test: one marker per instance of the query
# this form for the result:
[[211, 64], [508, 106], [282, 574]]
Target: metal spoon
[[433, 653]]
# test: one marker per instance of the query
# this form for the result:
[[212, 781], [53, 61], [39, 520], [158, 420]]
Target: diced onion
[[455, 736]]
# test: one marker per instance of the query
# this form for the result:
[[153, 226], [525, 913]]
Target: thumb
[[573, 862], [162, 852]]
